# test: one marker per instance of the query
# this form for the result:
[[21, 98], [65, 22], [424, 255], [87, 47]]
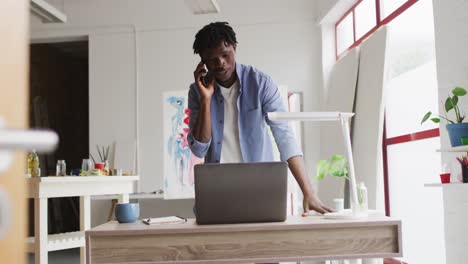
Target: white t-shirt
[[230, 150]]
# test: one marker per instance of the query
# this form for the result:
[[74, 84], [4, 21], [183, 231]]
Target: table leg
[[40, 231], [124, 198], [85, 222]]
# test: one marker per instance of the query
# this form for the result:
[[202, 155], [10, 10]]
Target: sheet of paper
[[164, 220]]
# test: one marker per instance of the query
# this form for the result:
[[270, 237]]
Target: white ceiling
[[153, 14]]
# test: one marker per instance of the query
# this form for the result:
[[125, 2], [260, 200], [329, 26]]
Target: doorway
[[59, 100]]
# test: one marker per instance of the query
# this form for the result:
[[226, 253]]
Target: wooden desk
[[84, 186], [299, 238]]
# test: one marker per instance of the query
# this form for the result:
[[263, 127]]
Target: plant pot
[[456, 132]]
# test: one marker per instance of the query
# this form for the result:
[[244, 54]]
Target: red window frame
[[379, 22]]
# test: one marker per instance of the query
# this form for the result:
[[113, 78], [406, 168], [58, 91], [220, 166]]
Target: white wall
[[284, 44], [450, 23], [111, 95]]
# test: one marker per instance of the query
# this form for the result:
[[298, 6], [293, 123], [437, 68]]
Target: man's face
[[220, 60]]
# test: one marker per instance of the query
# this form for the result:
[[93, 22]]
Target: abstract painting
[[178, 159]]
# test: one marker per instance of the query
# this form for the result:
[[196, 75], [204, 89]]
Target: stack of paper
[[164, 220]]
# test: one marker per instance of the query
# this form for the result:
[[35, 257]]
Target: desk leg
[[85, 222], [40, 231], [124, 198]]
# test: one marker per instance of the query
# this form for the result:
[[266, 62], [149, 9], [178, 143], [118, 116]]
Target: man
[[228, 111]]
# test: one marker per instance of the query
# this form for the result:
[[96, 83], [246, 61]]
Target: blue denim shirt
[[258, 95]]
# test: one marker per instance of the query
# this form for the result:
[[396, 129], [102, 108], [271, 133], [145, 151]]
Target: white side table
[[84, 186]]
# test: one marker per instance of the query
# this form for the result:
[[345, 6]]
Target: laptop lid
[[240, 192]]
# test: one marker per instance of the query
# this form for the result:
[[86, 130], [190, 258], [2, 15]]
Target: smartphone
[[207, 78]]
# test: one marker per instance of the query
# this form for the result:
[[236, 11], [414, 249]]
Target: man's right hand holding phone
[[205, 89], [202, 126]]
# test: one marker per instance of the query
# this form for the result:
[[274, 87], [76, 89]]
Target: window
[[387, 7], [365, 17], [411, 91], [344, 33]]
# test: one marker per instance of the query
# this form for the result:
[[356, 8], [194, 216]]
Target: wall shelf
[[452, 184], [463, 148]]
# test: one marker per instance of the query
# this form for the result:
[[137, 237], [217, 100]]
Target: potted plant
[[455, 127], [337, 166]]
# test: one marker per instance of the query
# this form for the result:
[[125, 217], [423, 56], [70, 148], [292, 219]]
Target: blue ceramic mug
[[127, 212]]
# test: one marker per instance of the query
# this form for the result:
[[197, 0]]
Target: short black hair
[[212, 34]]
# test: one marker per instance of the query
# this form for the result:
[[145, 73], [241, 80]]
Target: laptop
[[228, 193]]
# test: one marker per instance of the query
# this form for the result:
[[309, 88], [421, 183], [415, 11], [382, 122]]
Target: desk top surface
[[292, 222]]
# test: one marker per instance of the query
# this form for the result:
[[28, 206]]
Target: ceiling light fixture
[[200, 7]]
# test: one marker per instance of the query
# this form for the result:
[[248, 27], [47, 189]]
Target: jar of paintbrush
[[102, 166], [463, 160]]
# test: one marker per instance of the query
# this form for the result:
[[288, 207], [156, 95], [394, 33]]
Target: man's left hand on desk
[[312, 202]]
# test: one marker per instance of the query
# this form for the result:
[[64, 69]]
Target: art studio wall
[[140, 50]]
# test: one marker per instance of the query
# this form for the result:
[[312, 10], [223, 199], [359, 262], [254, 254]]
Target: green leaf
[[426, 116], [435, 120], [322, 169], [337, 166], [448, 104], [337, 158], [458, 91], [451, 103]]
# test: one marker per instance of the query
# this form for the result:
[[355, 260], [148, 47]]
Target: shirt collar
[[239, 76]]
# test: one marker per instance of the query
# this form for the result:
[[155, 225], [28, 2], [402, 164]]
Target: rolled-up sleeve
[[198, 148], [282, 132]]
